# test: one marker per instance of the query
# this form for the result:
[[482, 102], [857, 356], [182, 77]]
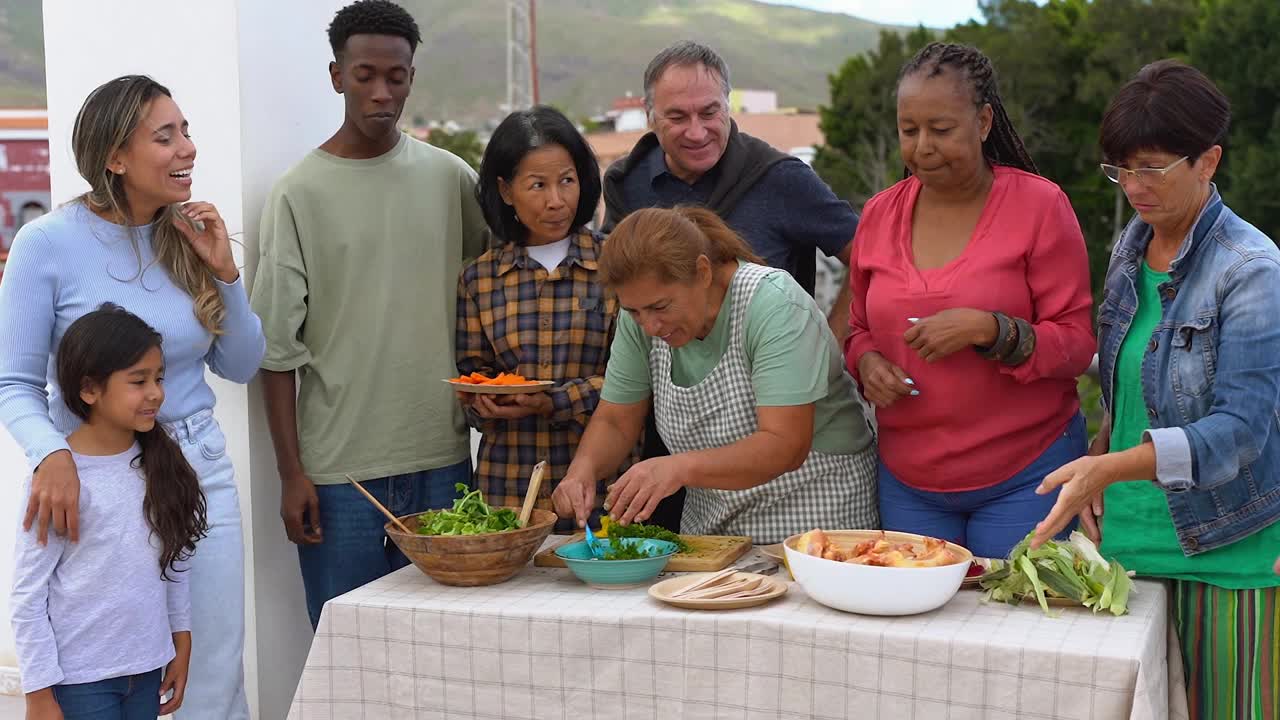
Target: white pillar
[[251, 79]]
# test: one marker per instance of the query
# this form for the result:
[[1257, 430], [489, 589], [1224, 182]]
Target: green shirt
[[793, 356], [356, 288], [1137, 528]]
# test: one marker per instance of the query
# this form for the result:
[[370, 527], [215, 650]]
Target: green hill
[[589, 51], [21, 54]]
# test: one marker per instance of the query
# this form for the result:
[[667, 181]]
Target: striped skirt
[[1229, 641]]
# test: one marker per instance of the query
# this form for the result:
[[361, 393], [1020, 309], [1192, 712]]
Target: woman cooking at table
[[747, 385], [1189, 356]]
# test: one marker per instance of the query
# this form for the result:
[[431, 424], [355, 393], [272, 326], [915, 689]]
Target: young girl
[[102, 626]]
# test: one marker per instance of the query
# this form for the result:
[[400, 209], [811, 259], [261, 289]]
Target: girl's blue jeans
[[130, 697]]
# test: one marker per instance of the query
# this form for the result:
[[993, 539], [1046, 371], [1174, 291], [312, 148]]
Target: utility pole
[[522, 60]]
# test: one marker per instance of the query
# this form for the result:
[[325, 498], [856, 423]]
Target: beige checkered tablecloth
[[543, 645]]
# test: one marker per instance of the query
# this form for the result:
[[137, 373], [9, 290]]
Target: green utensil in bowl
[[615, 574]]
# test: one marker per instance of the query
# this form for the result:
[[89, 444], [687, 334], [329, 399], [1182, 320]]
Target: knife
[[760, 567]]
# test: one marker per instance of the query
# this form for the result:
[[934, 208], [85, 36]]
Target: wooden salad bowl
[[472, 560]]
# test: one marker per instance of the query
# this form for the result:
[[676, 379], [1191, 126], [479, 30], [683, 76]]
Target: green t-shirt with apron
[[793, 355], [1137, 528]]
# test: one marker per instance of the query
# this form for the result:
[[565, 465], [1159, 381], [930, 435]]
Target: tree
[[859, 157], [1058, 65], [465, 144], [1124, 36], [1236, 48]]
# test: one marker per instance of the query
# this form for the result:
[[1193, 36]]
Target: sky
[[932, 13]]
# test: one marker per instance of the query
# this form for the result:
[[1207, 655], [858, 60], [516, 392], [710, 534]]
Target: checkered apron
[[828, 491]]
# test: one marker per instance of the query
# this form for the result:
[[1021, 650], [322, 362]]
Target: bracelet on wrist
[[1025, 345], [1006, 338]]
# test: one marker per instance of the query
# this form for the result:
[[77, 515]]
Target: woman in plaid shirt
[[532, 305]]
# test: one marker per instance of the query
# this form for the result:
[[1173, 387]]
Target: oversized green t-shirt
[[1137, 528], [356, 287], [793, 357]]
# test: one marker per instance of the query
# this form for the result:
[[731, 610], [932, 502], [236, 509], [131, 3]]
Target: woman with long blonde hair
[[747, 385], [135, 240]]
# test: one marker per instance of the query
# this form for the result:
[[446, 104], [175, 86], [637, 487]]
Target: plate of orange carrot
[[503, 384]]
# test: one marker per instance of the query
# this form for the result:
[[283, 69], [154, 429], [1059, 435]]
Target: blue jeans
[[356, 550], [215, 690], [131, 697], [989, 521]]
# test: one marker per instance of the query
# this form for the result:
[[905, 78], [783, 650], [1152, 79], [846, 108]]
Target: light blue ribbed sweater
[[68, 263]]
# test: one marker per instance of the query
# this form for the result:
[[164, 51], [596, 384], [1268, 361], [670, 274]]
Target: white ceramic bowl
[[871, 590]]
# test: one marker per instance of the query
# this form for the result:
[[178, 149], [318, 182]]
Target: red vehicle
[[24, 172]]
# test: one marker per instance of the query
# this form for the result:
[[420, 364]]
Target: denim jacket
[[1211, 374]]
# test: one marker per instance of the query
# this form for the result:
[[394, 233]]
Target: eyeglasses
[[1148, 177]]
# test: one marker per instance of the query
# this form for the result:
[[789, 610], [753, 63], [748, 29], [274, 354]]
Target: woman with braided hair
[[971, 314]]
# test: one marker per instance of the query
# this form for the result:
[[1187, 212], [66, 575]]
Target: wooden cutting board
[[706, 553]]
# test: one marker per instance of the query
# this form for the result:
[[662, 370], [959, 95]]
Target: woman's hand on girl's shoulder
[[55, 498]]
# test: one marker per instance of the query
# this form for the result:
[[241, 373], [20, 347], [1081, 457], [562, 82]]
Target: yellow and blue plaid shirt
[[515, 316]]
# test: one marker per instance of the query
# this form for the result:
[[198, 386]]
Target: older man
[[696, 155]]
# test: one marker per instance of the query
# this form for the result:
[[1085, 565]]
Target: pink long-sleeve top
[[976, 422]]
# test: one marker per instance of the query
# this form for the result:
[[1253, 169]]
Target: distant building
[[753, 101], [24, 172], [627, 114]]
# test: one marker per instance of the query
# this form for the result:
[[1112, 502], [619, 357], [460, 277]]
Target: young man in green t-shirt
[[361, 245]]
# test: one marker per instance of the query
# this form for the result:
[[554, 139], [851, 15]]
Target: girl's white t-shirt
[[96, 609]]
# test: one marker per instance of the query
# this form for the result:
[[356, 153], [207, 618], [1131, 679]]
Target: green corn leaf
[[1029, 569], [1060, 584], [1120, 592]]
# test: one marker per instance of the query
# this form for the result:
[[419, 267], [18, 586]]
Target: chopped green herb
[[1073, 570], [640, 530], [628, 551], [470, 515]]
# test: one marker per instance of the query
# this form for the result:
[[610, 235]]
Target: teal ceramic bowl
[[615, 574]]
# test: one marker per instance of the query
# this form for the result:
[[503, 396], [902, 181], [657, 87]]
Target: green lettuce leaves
[[470, 515]]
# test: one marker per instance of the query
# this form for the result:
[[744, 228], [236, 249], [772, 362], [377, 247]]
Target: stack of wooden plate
[[725, 590]]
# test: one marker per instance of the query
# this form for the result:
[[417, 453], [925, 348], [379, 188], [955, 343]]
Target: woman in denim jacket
[[1189, 354]]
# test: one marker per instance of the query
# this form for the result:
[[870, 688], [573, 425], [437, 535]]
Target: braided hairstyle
[[1002, 146]]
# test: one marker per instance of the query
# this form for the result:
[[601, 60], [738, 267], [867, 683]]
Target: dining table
[[545, 645]]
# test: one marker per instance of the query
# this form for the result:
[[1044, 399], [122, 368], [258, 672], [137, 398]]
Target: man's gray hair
[[685, 53]]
